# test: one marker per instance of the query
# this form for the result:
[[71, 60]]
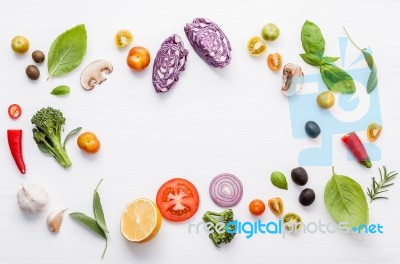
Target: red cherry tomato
[[257, 207], [14, 111], [178, 200], [138, 58]]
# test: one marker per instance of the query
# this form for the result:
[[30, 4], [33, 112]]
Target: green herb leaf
[[312, 39], [327, 60], [368, 58], [71, 134], [376, 188], [61, 90], [67, 51], [98, 210], [373, 76], [336, 79], [346, 201], [88, 222], [372, 80], [311, 59], [278, 179]]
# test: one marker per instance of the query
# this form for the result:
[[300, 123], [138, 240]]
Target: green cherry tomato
[[326, 99], [20, 44], [270, 32], [256, 46]]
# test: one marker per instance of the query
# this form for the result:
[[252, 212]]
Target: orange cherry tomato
[[138, 58], [88, 142], [257, 207], [14, 111], [274, 61]]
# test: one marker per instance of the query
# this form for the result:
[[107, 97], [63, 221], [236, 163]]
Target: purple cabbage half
[[209, 42], [169, 63]]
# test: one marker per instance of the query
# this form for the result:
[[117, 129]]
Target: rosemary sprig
[[377, 188]]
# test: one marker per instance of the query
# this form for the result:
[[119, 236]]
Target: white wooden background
[[234, 120]]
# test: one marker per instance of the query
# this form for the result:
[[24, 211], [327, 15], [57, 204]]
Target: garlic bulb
[[54, 220], [32, 198]]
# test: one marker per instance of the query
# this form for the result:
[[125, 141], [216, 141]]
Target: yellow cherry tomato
[[374, 131], [123, 38], [256, 46]]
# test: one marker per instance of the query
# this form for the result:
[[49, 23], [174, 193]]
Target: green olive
[[270, 32], [20, 44], [326, 99]]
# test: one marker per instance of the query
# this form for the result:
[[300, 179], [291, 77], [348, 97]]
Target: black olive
[[38, 56], [299, 176], [312, 129], [307, 197], [32, 72]]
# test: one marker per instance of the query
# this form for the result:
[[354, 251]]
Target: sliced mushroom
[[292, 79], [95, 73]]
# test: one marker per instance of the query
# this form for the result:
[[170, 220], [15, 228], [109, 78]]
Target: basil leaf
[[67, 51], [336, 79], [88, 222], [278, 179], [373, 79], [368, 58], [61, 90], [98, 210], [346, 201], [70, 134], [327, 60], [311, 59], [312, 39]]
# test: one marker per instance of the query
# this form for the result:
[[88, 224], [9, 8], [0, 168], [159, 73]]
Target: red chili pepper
[[356, 147], [15, 143]]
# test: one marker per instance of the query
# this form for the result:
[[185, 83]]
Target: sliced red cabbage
[[209, 42], [169, 63]]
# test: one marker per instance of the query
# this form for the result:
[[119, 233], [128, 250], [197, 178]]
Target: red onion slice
[[226, 190]]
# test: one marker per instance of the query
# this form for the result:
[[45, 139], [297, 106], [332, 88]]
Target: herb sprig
[[97, 225], [373, 76], [377, 188]]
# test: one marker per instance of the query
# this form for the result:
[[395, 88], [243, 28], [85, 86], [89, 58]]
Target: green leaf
[[373, 76], [336, 79], [311, 59], [368, 58], [346, 201], [71, 134], [98, 210], [327, 60], [278, 179], [372, 80], [61, 90], [67, 51], [88, 222], [312, 39]]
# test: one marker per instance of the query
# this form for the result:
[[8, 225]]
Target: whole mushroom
[[95, 73]]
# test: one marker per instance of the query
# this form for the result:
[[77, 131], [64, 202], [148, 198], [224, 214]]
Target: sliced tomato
[[256, 46], [14, 111], [178, 200]]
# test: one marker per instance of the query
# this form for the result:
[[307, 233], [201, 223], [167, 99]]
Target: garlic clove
[[54, 220]]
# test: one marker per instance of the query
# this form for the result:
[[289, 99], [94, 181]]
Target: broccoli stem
[[61, 156]]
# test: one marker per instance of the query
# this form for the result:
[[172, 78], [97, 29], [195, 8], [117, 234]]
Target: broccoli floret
[[215, 218], [47, 134]]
